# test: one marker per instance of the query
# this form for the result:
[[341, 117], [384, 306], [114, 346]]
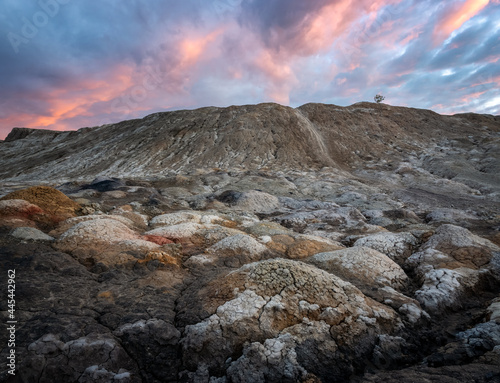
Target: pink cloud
[[456, 17]]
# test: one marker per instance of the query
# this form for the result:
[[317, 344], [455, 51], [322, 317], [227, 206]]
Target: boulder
[[345, 218], [237, 250], [253, 201], [493, 311], [329, 322], [51, 200], [264, 228], [93, 356], [31, 234], [18, 213], [364, 267], [93, 232], [71, 222], [296, 246], [105, 241], [397, 246], [105, 184], [451, 263], [187, 217], [447, 215], [182, 232]]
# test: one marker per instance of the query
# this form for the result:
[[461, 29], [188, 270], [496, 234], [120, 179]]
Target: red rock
[[19, 213], [19, 208], [157, 239]]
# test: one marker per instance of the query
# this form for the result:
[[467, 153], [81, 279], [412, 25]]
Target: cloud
[[455, 15], [101, 62]]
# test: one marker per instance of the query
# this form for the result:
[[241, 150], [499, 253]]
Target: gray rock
[[453, 216], [397, 246], [31, 234]]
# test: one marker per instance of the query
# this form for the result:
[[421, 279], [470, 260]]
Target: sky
[[67, 64]]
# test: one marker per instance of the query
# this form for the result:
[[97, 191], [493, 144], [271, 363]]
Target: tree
[[379, 98]]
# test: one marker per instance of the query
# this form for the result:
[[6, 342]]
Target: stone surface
[[253, 201], [49, 199], [451, 263], [238, 250], [263, 299], [397, 246], [18, 213], [364, 267], [31, 234]]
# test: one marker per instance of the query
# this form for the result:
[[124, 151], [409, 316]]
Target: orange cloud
[[457, 17], [123, 84], [74, 100], [280, 75], [193, 48], [320, 29], [317, 32]]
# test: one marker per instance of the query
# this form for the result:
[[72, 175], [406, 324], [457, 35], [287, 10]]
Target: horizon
[[69, 65]]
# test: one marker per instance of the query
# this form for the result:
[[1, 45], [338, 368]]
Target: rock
[[175, 219], [465, 247], [105, 241], [266, 228], [101, 375], [91, 357], [188, 216], [482, 373], [364, 267], [19, 213], [238, 250], [18, 208], [397, 246], [477, 343], [252, 201], [31, 234], [113, 299], [152, 340], [393, 351], [392, 219], [95, 231], [140, 221], [480, 339], [342, 218], [159, 240], [114, 194], [300, 205], [265, 299], [409, 308], [71, 222], [229, 196], [180, 232], [446, 215], [274, 360], [493, 310], [104, 184], [301, 246], [212, 234], [51, 200], [451, 263]]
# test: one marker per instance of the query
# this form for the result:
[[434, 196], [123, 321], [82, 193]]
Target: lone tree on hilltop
[[379, 98]]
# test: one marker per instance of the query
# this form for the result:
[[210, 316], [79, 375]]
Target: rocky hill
[[258, 243], [265, 136]]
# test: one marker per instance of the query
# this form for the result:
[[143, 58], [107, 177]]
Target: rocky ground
[[381, 267]]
